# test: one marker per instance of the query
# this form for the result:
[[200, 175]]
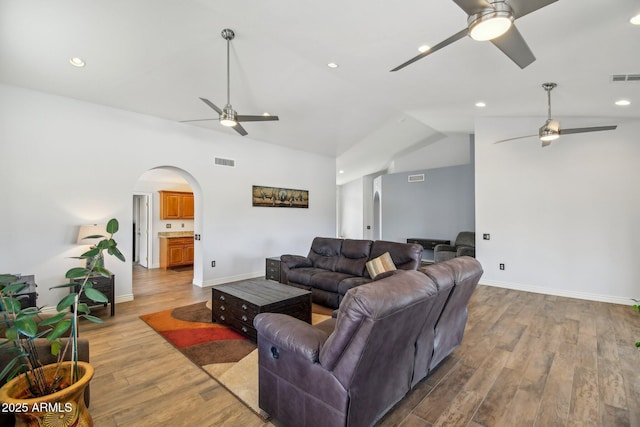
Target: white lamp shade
[[91, 230]]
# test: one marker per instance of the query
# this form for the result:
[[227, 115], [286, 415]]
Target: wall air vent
[[416, 178], [622, 78], [225, 162]]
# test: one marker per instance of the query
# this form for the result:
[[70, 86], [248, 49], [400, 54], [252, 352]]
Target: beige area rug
[[225, 355]]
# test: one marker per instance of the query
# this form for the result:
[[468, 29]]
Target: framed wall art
[[275, 197]]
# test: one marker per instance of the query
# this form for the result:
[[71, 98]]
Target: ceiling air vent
[[225, 162], [416, 178], [621, 78]]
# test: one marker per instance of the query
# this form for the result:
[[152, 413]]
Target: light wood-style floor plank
[[526, 359]]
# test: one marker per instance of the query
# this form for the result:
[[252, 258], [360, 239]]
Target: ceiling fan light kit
[[491, 23]]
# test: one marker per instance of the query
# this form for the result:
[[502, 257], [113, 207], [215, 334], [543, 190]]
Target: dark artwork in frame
[[275, 197]]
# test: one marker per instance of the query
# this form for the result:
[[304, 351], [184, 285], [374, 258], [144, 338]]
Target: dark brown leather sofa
[[388, 335], [333, 266]]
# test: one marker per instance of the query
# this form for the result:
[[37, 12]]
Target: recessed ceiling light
[[481, 104], [77, 62], [266, 114], [623, 102], [332, 65], [424, 48], [635, 20], [340, 171]]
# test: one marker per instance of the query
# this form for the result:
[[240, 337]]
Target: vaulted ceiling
[[158, 56]]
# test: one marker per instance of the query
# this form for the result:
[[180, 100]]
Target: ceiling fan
[[227, 116], [551, 130], [493, 20]]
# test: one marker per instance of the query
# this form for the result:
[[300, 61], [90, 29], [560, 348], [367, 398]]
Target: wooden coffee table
[[236, 304]]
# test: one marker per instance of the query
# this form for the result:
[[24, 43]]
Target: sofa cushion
[[379, 265], [324, 252], [303, 275], [353, 257], [350, 283], [328, 280]]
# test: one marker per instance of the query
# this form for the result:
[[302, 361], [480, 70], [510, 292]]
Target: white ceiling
[[158, 56]]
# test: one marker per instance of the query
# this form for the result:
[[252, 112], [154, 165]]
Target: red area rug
[[190, 330]]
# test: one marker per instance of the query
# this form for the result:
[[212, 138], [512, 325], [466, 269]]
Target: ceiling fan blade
[[590, 129], [238, 128], [212, 105], [513, 139], [472, 6], [196, 120], [457, 36], [513, 45], [524, 7], [256, 118]]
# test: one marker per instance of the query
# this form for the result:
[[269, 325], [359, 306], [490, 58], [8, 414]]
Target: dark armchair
[[465, 245]]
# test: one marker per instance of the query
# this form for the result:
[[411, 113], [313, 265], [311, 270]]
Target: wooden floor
[[526, 359]]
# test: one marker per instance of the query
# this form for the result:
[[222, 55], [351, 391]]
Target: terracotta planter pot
[[64, 408]]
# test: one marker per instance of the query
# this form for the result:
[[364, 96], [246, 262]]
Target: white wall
[[563, 219], [351, 209], [67, 163]]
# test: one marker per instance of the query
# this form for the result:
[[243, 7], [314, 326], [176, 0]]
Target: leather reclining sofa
[[350, 370], [333, 266]]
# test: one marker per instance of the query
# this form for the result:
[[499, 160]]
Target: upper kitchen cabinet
[[176, 205]]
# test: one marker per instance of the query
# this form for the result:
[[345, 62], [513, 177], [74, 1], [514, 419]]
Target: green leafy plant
[[24, 325]]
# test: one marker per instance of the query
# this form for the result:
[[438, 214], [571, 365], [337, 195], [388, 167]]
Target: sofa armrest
[[296, 261], [466, 251], [444, 247], [291, 334]]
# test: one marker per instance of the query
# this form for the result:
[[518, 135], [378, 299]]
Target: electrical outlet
[[182, 225], [196, 237], [168, 226], [486, 236], [213, 263], [501, 266]]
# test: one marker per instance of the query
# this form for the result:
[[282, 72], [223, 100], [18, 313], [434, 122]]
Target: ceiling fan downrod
[[549, 87], [228, 35]]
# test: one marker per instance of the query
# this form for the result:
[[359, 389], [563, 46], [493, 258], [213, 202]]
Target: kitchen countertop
[[171, 234]]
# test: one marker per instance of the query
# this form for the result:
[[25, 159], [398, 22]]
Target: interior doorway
[[142, 224], [148, 226]]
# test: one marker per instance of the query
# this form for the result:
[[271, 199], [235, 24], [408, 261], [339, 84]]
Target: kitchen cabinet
[[176, 251], [176, 205]]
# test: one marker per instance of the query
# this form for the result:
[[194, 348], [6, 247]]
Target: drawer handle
[[222, 308], [244, 329], [275, 353], [222, 317], [244, 306], [244, 318], [222, 298]]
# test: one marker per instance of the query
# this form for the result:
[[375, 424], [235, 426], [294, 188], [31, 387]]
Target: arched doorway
[[146, 216]]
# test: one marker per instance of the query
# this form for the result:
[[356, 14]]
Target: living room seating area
[[387, 336]]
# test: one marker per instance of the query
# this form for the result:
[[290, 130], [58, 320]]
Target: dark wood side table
[[29, 291], [106, 285], [272, 270], [237, 304]]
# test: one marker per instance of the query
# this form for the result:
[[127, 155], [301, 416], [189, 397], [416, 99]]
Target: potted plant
[[38, 393]]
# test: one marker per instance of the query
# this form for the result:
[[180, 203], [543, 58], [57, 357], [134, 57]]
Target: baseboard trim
[[560, 292], [222, 280], [124, 298]]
